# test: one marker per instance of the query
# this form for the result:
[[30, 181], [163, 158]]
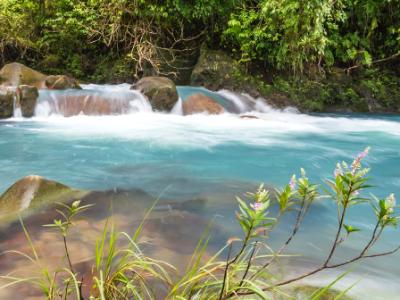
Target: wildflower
[[357, 162], [261, 195], [292, 183], [390, 203], [338, 171], [76, 203], [256, 206], [356, 193]]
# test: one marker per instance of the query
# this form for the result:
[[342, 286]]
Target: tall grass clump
[[244, 267]]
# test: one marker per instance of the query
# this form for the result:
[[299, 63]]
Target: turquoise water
[[209, 156], [152, 151]]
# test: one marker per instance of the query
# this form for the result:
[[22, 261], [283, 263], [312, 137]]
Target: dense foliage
[[295, 35], [80, 36], [131, 38]]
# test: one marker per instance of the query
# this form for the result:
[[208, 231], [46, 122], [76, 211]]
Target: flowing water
[[123, 145]]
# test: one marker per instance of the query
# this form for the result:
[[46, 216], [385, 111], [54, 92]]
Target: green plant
[[123, 271]]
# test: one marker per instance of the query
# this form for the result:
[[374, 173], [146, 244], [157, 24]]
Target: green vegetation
[[299, 42], [311, 35], [292, 35], [244, 267]]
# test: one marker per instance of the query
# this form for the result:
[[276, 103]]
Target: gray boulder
[[27, 97], [32, 192], [15, 74], [161, 92], [6, 103], [61, 82]]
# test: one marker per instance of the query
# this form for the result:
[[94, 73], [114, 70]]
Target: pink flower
[[338, 171], [292, 183], [256, 206], [357, 162]]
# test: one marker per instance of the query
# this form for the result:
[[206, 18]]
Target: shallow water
[[216, 158]]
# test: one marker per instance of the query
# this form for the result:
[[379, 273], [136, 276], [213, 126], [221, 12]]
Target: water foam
[[91, 100], [132, 117], [204, 132]]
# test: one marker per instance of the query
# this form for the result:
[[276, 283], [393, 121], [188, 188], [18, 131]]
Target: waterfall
[[91, 100], [241, 102], [98, 100], [178, 108], [17, 113], [246, 103], [232, 102]]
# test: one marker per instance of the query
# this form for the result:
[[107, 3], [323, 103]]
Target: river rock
[[306, 291], [15, 74], [32, 192], [27, 96], [61, 82], [6, 103], [161, 92], [216, 70], [199, 103], [248, 117], [73, 103]]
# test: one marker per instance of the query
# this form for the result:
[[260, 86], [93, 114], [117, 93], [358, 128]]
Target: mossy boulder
[[27, 97], [215, 70], [61, 82], [161, 92], [32, 192], [15, 74], [6, 103], [199, 103]]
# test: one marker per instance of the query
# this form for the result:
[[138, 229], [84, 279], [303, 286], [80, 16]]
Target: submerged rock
[[161, 92], [32, 192], [61, 82], [304, 292], [6, 103], [27, 97], [199, 103], [248, 117], [15, 74], [74, 103]]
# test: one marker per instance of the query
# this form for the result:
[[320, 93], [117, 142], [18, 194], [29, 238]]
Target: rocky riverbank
[[19, 86], [338, 90], [374, 90]]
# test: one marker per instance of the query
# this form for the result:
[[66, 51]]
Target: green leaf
[[350, 228]]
